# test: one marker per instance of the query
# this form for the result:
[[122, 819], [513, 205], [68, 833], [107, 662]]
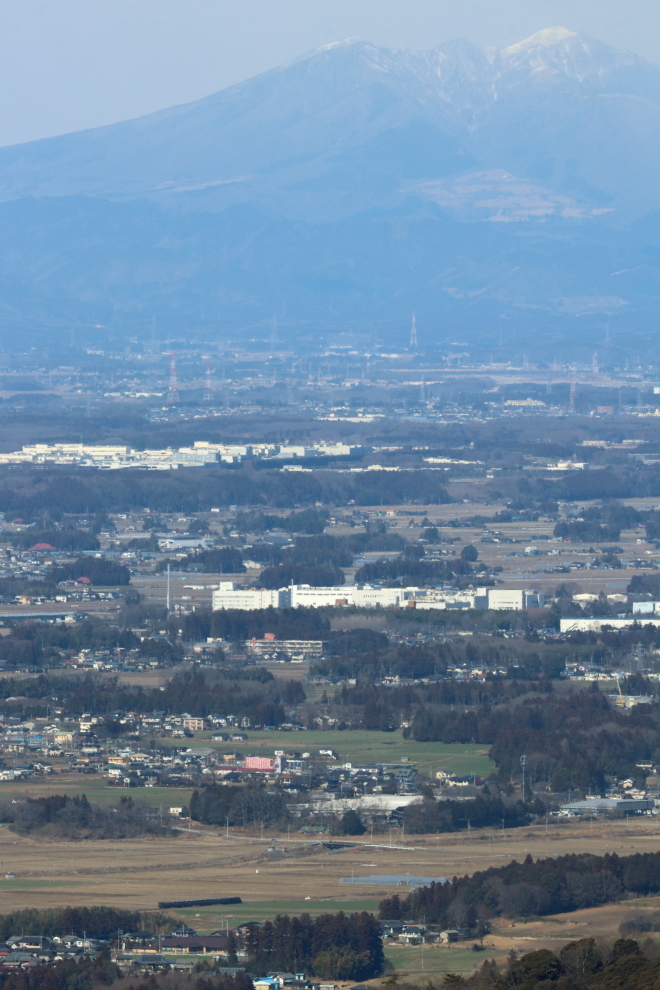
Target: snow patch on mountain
[[542, 39]]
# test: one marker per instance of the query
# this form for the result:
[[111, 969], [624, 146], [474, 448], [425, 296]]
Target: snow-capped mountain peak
[[542, 39]]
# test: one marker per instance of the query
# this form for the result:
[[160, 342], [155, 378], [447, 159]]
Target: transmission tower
[[173, 388], [413, 333], [208, 382]]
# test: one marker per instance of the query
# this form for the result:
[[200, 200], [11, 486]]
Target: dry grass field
[[301, 874], [206, 863]]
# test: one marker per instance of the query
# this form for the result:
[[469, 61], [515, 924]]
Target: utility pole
[[173, 388], [208, 382], [523, 761], [413, 333], [168, 588]]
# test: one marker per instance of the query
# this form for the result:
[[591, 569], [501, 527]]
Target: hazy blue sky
[[70, 64]]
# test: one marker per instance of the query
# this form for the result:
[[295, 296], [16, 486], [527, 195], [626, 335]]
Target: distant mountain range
[[511, 197]]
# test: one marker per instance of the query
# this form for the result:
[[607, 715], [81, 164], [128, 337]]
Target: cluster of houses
[[143, 951], [80, 749], [21, 951], [82, 738]]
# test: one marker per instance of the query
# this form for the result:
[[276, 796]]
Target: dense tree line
[[315, 575], [98, 922], [484, 811], [101, 572], [411, 568], [541, 887], [326, 549], [354, 641], [575, 740], [62, 817], [237, 805], [225, 560], [60, 539], [238, 625], [307, 521], [332, 946], [200, 693], [28, 493], [644, 584], [524, 660], [632, 480], [587, 964], [451, 693], [36, 643], [587, 532]]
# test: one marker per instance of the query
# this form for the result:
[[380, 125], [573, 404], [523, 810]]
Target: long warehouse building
[[232, 595]]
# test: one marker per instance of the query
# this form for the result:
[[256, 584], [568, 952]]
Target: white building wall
[[595, 625], [232, 595], [304, 596], [378, 597], [646, 608], [512, 599]]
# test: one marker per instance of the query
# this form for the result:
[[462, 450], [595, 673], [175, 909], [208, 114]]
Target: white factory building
[[595, 625], [202, 454], [232, 595], [646, 608]]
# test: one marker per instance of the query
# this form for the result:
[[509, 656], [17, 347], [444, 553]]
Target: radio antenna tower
[[571, 401], [173, 388], [413, 333], [208, 382]]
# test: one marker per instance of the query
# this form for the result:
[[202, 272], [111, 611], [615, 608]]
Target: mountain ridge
[[478, 184]]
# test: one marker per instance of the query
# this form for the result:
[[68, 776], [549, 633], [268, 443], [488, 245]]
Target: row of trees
[[29, 494], [98, 922], [100, 572], [307, 521], [332, 946], [431, 816], [237, 625], [63, 817], [541, 887], [61, 539], [587, 964], [199, 692], [237, 805], [35, 643]]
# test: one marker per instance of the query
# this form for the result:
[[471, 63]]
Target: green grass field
[[207, 919], [434, 959], [357, 746], [97, 791]]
